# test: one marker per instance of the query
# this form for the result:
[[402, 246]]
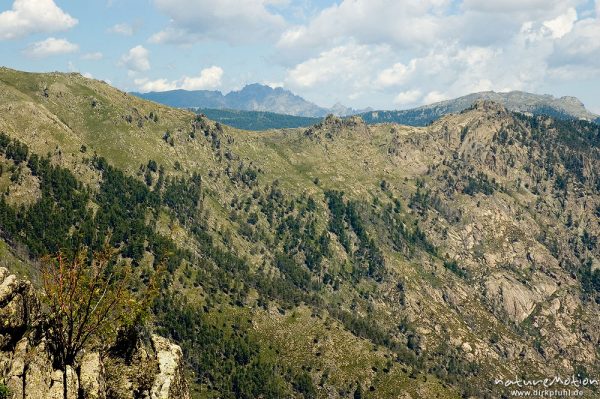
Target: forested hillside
[[338, 260], [257, 120]]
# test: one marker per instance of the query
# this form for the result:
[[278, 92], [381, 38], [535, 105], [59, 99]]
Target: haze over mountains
[[256, 106], [518, 101], [253, 97]]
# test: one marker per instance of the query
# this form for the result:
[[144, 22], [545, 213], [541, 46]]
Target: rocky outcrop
[[27, 368], [91, 376], [334, 126], [517, 299], [169, 383], [18, 308]]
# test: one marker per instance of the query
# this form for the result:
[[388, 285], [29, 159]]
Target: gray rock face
[[18, 308], [91, 376], [169, 383], [27, 366], [516, 299]]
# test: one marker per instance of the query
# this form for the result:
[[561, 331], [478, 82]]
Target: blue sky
[[378, 53]]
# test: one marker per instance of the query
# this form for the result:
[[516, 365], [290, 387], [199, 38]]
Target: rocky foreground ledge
[[152, 370]]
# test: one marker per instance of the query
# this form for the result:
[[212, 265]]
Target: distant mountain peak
[[566, 107], [251, 97], [258, 88]]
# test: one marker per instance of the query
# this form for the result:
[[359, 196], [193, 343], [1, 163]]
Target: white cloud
[[136, 59], [33, 16], [404, 24], [580, 47], [121, 29], [95, 56], [441, 49], [273, 85], [234, 21], [434, 97], [562, 24], [511, 6], [208, 79], [414, 26], [146, 85], [396, 75], [49, 47], [408, 97], [350, 64]]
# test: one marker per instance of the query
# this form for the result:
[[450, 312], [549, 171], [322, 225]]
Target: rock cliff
[[151, 370]]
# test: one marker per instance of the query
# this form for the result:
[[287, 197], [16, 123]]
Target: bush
[[4, 392], [89, 300], [454, 268]]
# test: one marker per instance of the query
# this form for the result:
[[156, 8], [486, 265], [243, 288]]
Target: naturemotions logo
[[548, 387], [556, 381]]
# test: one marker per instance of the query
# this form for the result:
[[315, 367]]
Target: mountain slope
[[528, 103], [343, 258], [186, 98], [257, 120], [253, 97], [262, 98]]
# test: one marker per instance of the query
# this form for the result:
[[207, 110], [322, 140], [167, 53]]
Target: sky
[[385, 54]]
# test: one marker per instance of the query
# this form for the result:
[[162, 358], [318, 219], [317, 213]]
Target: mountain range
[[339, 260], [237, 107], [518, 101], [253, 97]]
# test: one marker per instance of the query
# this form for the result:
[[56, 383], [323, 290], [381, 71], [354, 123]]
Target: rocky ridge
[[517, 101], [509, 203]]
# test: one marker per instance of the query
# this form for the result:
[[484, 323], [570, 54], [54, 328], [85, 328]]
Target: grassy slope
[[60, 113], [63, 121]]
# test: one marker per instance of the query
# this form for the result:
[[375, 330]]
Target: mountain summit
[[261, 98], [252, 97], [257, 97], [518, 101]]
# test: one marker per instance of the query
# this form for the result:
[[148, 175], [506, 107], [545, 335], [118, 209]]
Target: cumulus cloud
[[508, 6], [349, 66], [562, 24], [434, 97], [273, 85], [49, 47], [233, 21], [396, 75], [438, 49], [121, 29], [405, 24], [147, 85], [209, 78], [136, 59], [328, 65], [580, 47], [33, 16], [408, 97]]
